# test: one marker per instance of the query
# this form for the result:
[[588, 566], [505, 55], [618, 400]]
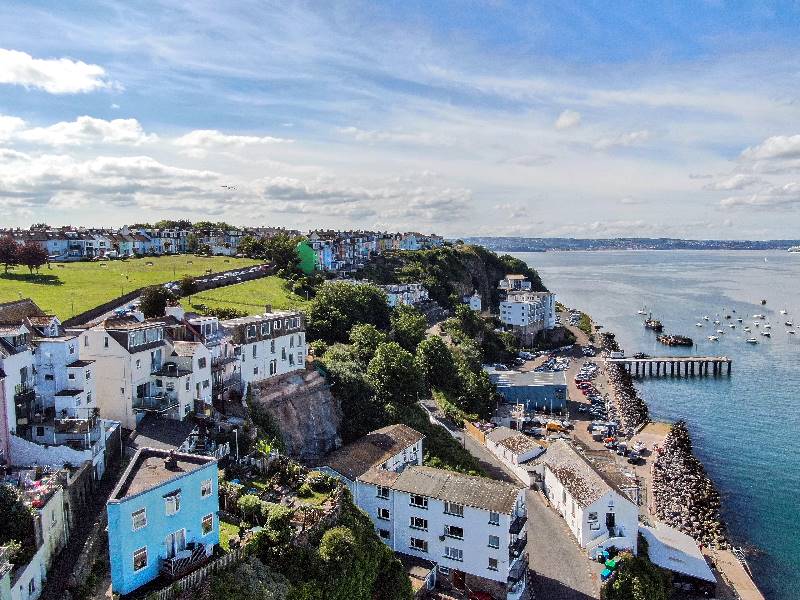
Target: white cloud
[[633, 138], [56, 75], [779, 146], [422, 138], [568, 119], [9, 126], [88, 130], [735, 182], [630, 201], [780, 196], [200, 142], [530, 160]]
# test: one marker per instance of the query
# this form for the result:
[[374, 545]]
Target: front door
[[458, 579], [175, 542], [610, 522]]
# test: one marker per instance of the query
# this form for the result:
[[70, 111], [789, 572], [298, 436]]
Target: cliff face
[[308, 416], [450, 271]]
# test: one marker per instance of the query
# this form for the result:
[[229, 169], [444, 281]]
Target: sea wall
[[632, 408]]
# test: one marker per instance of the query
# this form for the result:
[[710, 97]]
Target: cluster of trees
[[467, 328], [30, 254], [380, 363], [16, 525], [638, 579]]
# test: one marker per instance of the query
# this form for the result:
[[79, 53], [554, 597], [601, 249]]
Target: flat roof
[[149, 470], [526, 378]]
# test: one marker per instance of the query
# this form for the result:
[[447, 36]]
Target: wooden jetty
[[675, 366]]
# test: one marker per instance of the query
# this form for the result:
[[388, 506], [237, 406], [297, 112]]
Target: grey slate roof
[[469, 490], [582, 480]]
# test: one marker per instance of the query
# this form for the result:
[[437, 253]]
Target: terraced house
[[471, 530]]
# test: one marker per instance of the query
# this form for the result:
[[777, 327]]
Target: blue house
[[538, 391], [162, 518]]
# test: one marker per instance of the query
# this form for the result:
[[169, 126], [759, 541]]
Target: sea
[[745, 428]]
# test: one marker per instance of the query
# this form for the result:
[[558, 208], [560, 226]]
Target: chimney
[[170, 462], [267, 309]]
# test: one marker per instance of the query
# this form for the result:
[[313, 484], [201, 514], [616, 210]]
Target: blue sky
[[585, 119]]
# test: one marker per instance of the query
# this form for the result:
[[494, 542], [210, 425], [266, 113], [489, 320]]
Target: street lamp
[[236, 435]]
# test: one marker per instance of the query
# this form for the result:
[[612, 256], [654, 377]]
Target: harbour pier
[[675, 366]]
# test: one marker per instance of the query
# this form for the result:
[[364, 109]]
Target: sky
[[580, 119]]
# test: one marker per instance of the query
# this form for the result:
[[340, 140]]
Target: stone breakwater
[[632, 408], [683, 494]]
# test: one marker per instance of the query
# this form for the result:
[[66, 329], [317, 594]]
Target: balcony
[[157, 403], [518, 523], [517, 548], [518, 571], [24, 393], [184, 562]]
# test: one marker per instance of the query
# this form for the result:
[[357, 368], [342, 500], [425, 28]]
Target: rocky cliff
[[302, 406], [449, 272]]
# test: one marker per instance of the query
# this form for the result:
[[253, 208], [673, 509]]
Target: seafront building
[[471, 528], [535, 391], [162, 518], [524, 312]]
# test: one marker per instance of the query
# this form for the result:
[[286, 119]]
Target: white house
[[598, 513], [515, 449], [528, 313], [185, 375], [472, 527], [474, 301], [268, 345], [127, 353]]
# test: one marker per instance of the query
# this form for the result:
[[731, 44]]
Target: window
[[72, 349], [40, 432], [206, 488], [454, 553], [454, 509], [139, 519], [187, 385], [207, 524], [418, 523], [384, 534], [492, 564], [264, 329], [31, 587], [418, 544], [85, 342], [494, 541], [383, 492], [564, 496], [277, 324], [172, 503], [88, 397], [255, 370], [454, 532], [71, 376], [291, 341], [140, 559], [419, 501], [48, 378], [383, 514], [494, 518], [272, 346], [299, 358], [291, 359], [283, 353], [251, 331], [138, 364], [444, 570], [201, 363], [273, 367], [255, 351], [88, 375], [205, 383], [105, 342]]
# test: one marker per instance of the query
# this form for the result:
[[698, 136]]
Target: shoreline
[[731, 572]]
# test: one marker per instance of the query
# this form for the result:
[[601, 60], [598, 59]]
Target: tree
[[154, 300], [362, 412], [16, 524], [9, 252], [32, 255], [337, 545], [408, 327], [436, 365], [251, 246], [192, 243], [637, 579], [364, 341], [394, 375], [250, 580], [281, 251], [339, 306], [188, 286]]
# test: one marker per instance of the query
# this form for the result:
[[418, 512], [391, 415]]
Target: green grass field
[[249, 296], [67, 289]]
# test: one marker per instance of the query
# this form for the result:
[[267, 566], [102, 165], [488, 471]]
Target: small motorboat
[[719, 331], [727, 316], [789, 324], [756, 323], [698, 324], [731, 325], [716, 322], [784, 311], [791, 332], [759, 316], [752, 340], [766, 333], [705, 318], [641, 311], [746, 329], [763, 300], [767, 326], [740, 320], [713, 338]]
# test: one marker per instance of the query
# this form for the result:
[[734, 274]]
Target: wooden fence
[[197, 577]]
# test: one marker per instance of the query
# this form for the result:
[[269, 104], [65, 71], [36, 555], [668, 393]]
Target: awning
[[675, 551]]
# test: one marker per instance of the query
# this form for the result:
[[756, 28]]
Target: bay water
[[746, 427]]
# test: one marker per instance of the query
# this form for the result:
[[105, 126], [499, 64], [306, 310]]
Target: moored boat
[[752, 340], [713, 338], [675, 340]]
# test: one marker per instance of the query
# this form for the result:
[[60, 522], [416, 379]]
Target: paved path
[[561, 570]]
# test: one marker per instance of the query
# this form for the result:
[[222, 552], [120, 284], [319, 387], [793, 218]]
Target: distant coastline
[[520, 244]]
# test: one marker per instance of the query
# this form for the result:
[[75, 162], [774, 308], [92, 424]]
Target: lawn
[[67, 289], [249, 296], [227, 532]]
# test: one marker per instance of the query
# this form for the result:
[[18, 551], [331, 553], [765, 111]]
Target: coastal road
[[561, 570]]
